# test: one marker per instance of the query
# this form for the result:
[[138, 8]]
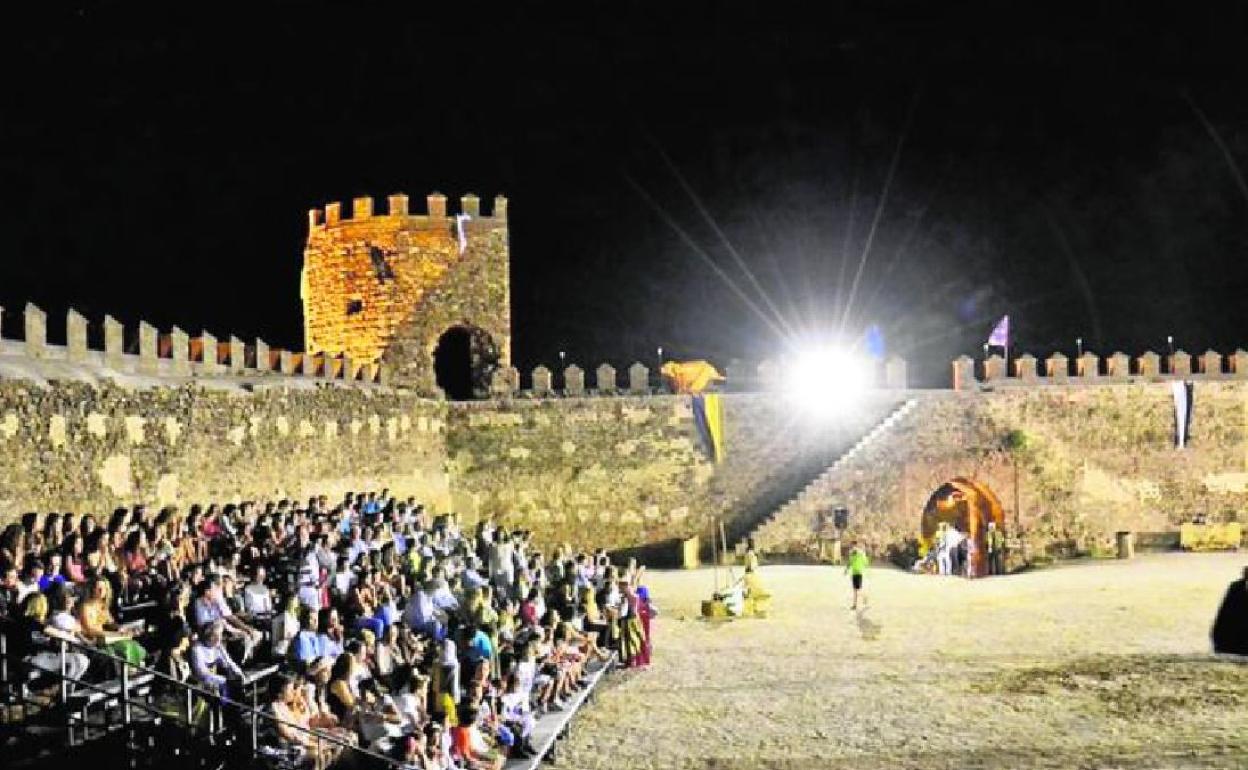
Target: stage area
[[1088, 665]]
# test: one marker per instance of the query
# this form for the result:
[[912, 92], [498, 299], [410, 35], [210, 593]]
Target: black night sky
[[1078, 170]]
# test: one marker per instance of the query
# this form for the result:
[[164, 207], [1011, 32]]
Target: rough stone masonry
[[385, 288]]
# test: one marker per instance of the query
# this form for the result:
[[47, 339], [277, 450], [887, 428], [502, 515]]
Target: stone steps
[[793, 518]]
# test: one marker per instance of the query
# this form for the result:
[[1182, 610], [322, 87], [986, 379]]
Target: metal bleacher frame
[[553, 727], [125, 703]]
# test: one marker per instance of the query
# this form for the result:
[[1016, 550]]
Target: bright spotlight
[[827, 382]]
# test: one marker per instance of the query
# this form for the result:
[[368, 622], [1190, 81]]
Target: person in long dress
[[646, 611], [632, 633]]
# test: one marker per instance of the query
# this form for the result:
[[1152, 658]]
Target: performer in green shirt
[[856, 567]]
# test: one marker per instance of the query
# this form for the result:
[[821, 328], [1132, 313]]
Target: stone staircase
[[795, 519]]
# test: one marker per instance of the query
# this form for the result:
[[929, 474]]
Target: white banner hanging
[[460, 219], [1183, 396]]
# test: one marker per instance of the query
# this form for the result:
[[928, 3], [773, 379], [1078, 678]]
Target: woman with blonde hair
[[36, 640], [594, 622], [99, 627]]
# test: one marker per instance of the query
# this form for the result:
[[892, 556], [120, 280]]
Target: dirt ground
[[1089, 665]]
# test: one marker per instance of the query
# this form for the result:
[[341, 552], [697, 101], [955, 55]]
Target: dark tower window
[[381, 264], [355, 306], [452, 364]]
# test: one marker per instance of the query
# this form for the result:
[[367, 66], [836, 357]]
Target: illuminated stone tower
[[397, 288]]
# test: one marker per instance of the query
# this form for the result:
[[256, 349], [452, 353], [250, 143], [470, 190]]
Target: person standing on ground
[[941, 544], [856, 567], [995, 542], [955, 549], [751, 555]]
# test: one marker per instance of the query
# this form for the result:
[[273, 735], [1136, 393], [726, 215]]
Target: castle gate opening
[[464, 360], [968, 505]]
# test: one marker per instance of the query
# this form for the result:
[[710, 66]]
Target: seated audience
[[212, 665], [389, 628]]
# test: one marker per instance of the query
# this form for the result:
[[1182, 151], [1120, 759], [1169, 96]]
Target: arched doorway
[[463, 362], [968, 505]]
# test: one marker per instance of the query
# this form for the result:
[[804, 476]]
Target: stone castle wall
[[167, 359], [89, 448], [630, 471], [1096, 459], [387, 286], [619, 471], [89, 430]]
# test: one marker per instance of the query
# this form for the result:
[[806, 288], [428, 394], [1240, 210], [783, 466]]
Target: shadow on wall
[[665, 554]]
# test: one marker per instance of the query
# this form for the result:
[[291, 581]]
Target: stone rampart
[[629, 470], [89, 447], [1088, 368], [597, 455], [1090, 460], [621, 471], [167, 359]]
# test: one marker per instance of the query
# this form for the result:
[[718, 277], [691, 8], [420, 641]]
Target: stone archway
[[967, 504], [464, 360]]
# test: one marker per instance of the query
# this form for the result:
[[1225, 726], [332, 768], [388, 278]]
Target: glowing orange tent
[[968, 505], [691, 376]]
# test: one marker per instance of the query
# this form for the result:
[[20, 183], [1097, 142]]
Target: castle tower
[[396, 288]]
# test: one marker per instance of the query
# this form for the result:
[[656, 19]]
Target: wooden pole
[[1017, 497], [715, 555]]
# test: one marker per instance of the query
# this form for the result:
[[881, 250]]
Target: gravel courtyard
[[1091, 665]]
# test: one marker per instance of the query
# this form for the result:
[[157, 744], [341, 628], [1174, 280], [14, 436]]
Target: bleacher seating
[[118, 697]]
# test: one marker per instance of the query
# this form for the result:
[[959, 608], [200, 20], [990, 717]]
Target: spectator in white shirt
[[344, 578], [257, 598], [471, 577], [210, 607], [285, 627], [502, 569], [517, 714], [31, 574], [413, 702], [212, 665]]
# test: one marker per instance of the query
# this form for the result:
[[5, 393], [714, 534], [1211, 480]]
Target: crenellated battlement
[[174, 356], [362, 210], [639, 379], [1028, 371], [177, 355], [387, 287]]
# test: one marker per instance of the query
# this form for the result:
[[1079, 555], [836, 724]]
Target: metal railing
[[217, 704], [129, 695]]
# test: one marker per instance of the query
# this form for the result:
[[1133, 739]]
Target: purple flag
[[1000, 333]]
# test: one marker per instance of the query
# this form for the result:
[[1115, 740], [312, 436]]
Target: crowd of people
[[953, 552], [391, 629]]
